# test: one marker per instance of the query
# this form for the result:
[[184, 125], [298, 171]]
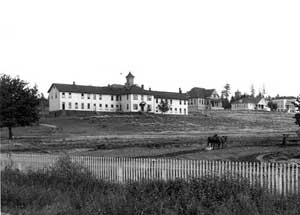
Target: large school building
[[114, 98]]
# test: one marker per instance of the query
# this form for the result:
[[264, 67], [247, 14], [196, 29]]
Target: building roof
[[116, 89], [129, 75], [247, 100], [169, 95], [198, 92]]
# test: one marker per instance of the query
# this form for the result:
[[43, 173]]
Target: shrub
[[68, 188]]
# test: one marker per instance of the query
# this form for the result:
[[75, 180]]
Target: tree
[[297, 115], [252, 90], [272, 105], [224, 97], [226, 92], [163, 106], [18, 103]]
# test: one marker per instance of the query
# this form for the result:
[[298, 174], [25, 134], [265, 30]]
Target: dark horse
[[216, 140]]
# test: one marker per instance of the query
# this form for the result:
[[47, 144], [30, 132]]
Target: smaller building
[[250, 103], [203, 99], [285, 103]]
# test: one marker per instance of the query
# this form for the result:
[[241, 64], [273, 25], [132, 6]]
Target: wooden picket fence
[[276, 177]]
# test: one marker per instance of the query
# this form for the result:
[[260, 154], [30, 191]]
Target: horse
[[216, 140]]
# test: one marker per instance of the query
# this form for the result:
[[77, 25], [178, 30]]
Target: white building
[[250, 103], [285, 103], [114, 98]]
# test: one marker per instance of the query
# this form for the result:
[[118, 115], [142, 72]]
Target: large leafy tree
[[163, 106], [18, 103]]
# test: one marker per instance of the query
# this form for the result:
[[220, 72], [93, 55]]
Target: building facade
[[201, 99], [114, 98], [250, 103], [285, 103]]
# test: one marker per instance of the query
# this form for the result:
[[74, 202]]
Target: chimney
[[142, 86], [180, 90], [149, 88], [73, 82]]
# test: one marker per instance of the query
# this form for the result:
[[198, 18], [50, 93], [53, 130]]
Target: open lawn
[[250, 135]]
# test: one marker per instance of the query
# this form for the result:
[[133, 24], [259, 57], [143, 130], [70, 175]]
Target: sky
[[165, 44]]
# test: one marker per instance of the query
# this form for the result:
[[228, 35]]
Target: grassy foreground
[[68, 188]]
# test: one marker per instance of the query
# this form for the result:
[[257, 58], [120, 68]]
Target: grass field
[[250, 135]]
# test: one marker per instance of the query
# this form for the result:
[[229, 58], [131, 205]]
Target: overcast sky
[[165, 44]]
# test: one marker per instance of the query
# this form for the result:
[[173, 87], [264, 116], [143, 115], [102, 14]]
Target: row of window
[[201, 101], [88, 106], [117, 98], [175, 110], [170, 101]]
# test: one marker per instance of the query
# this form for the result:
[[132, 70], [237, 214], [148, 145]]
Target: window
[[127, 106], [120, 107], [94, 107], [70, 105], [70, 95], [106, 105], [179, 110], [184, 102], [82, 95], [63, 95], [112, 106], [149, 108], [117, 98], [170, 109], [180, 102], [175, 109], [82, 105], [120, 98], [135, 97], [88, 96], [149, 98], [135, 107], [76, 105], [94, 96], [88, 106], [171, 101], [112, 98], [117, 106], [156, 100], [100, 105], [100, 97], [127, 96]]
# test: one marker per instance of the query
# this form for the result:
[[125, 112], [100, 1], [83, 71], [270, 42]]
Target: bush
[[68, 188]]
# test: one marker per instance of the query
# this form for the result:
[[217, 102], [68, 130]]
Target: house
[[250, 103], [285, 103], [203, 99], [114, 98]]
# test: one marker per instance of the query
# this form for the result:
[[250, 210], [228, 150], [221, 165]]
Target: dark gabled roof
[[198, 92], [247, 100], [87, 89], [116, 90], [169, 95], [129, 75]]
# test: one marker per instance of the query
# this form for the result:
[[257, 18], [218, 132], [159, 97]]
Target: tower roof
[[129, 75]]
